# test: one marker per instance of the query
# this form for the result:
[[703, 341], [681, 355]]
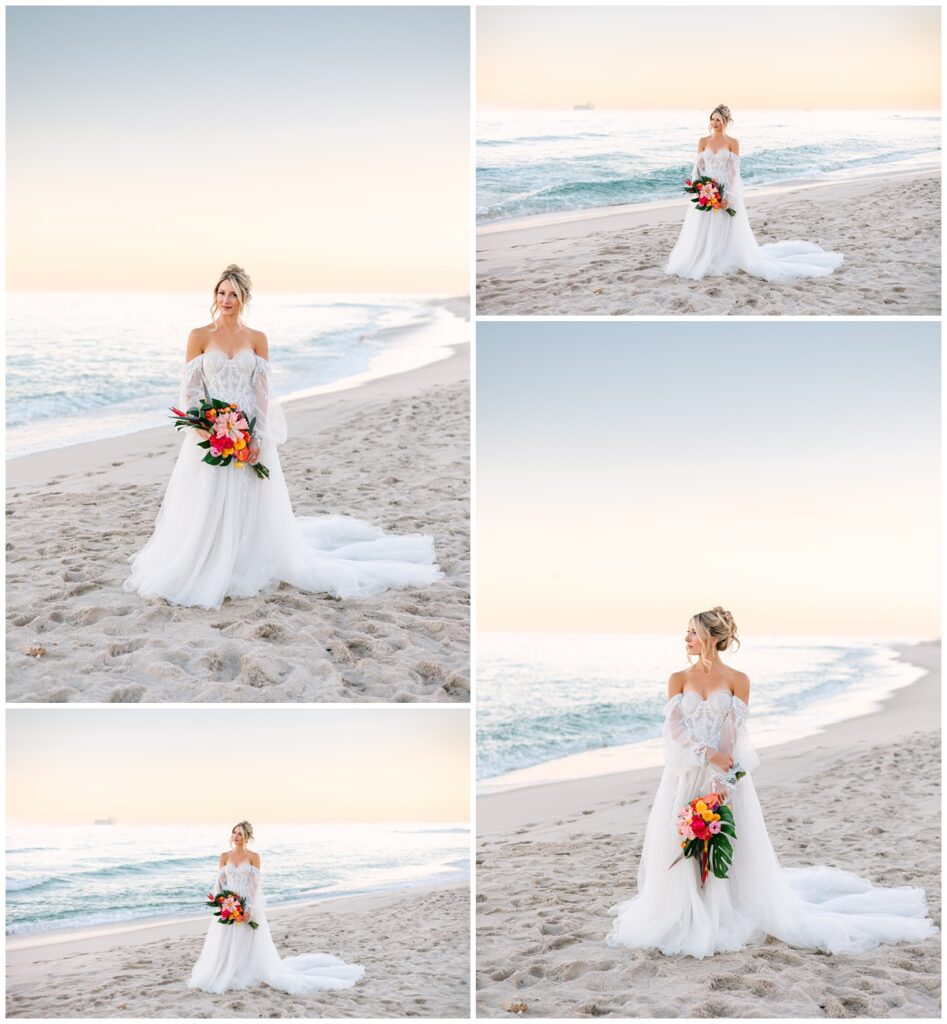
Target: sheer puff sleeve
[[735, 741], [733, 186], [681, 751], [270, 419], [192, 384]]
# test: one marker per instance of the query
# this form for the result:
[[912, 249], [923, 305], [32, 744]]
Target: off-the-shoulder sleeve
[[735, 739], [699, 168], [733, 186], [254, 898], [220, 882], [681, 751], [192, 384], [270, 420]]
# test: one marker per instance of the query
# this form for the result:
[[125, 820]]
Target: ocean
[[87, 365], [544, 162], [541, 697], [83, 876]]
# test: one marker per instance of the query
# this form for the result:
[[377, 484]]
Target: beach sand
[[611, 262], [413, 945], [552, 859], [394, 450]]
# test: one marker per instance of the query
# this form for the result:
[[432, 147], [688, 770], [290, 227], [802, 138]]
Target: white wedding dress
[[238, 956], [813, 907], [223, 532], [716, 243]]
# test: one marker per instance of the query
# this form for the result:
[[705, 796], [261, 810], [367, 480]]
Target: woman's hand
[[254, 456], [721, 760], [724, 203], [204, 435]]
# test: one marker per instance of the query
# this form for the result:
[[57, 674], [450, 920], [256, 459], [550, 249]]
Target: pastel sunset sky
[[323, 148], [157, 765], [628, 473], [672, 58]]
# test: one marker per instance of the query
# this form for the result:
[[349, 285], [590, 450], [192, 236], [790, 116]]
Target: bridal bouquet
[[706, 827], [229, 908], [707, 193], [230, 434]]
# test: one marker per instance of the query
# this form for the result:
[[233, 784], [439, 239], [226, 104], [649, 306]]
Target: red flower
[[177, 412]]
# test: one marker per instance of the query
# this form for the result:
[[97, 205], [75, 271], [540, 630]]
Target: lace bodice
[[231, 379], [704, 719], [717, 165], [242, 879], [243, 380]]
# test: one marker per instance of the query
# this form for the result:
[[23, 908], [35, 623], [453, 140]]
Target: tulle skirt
[[815, 907], [711, 244], [237, 956], [223, 532]]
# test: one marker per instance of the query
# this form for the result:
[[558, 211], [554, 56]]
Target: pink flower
[[230, 425], [713, 827]]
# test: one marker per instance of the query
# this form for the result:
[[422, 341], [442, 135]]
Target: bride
[[715, 243], [706, 743], [222, 531], [238, 956]]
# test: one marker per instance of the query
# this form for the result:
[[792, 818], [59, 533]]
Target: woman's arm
[[741, 687], [253, 889], [260, 345], [195, 344], [192, 382], [733, 187], [698, 170]]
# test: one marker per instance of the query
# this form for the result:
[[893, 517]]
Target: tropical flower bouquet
[[708, 194], [228, 435], [706, 827], [228, 907]]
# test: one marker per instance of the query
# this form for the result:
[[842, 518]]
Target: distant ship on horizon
[[104, 821], [584, 106]]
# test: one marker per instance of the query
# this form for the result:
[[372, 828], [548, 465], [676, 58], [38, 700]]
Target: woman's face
[[716, 122], [692, 640], [228, 299], [238, 837]]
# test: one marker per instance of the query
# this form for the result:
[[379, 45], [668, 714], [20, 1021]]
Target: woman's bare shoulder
[[734, 145], [676, 683], [259, 342], [223, 857], [740, 685], [254, 858], [702, 143], [197, 341]]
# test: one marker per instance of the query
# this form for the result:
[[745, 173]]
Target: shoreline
[[411, 352], [610, 261], [774, 188], [146, 930], [406, 940], [648, 753], [924, 692]]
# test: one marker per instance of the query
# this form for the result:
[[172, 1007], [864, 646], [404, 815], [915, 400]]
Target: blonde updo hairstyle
[[724, 111], [247, 831], [717, 632], [240, 279]]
